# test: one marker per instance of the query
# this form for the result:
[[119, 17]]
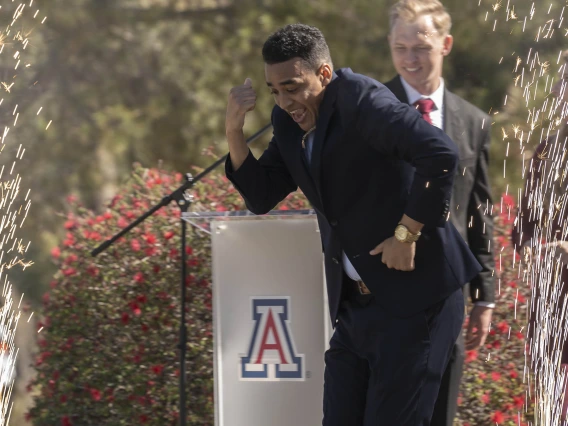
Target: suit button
[[335, 260], [333, 222]]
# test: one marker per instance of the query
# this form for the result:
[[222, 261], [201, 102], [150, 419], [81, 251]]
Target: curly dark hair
[[297, 41]]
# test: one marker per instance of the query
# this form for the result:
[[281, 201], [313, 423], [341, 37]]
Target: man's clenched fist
[[242, 99]]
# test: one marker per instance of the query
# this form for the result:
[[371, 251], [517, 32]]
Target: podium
[[270, 319]]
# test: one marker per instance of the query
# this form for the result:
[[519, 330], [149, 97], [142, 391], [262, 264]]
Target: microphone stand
[[183, 200]]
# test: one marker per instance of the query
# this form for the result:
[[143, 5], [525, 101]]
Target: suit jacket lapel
[[452, 118], [453, 125], [325, 113], [396, 87]]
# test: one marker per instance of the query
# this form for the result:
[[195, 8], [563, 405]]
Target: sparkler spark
[[14, 202]]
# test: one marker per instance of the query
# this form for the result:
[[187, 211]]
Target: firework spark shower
[[22, 20], [534, 77]]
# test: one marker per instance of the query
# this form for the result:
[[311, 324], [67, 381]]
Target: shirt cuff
[[485, 304]]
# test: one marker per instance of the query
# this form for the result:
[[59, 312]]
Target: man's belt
[[362, 287]]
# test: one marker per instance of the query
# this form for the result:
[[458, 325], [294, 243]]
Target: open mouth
[[412, 70], [298, 115]]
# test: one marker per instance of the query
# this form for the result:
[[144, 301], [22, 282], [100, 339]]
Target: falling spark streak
[[13, 210]]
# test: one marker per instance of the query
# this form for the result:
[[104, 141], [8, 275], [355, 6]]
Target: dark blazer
[[373, 159], [469, 128]]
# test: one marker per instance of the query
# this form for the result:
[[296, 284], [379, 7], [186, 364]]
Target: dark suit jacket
[[469, 128], [373, 159]]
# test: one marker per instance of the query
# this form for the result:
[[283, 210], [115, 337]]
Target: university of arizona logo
[[271, 354]]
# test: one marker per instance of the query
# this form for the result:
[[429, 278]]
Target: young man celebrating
[[380, 179], [419, 40]]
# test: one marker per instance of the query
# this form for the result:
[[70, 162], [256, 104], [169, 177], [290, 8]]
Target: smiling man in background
[[419, 40]]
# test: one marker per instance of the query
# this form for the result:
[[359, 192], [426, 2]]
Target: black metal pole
[[184, 206], [183, 201]]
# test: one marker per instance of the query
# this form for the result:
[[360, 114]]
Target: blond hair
[[410, 10]]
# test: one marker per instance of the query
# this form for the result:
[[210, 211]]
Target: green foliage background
[[146, 81]]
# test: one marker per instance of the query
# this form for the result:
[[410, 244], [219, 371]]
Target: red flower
[[518, 401], [122, 222], [135, 308], [93, 271], [485, 398], [139, 277], [496, 344], [471, 356], [156, 268], [65, 421], [69, 271], [157, 369], [169, 235], [513, 374], [508, 200], [143, 418], [150, 238], [125, 318], [135, 245], [95, 394], [55, 252], [95, 236], [520, 335], [495, 376], [503, 327], [498, 417], [71, 258]]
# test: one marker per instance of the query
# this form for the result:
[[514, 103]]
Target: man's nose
[[410, 56], [284, 101]]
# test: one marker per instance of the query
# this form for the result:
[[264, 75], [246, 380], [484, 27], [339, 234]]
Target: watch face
[[401, 233]]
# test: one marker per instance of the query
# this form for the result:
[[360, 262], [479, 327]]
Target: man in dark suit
[[371, 167], [419, 40]]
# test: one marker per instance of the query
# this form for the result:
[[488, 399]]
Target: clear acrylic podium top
[[201, 220]]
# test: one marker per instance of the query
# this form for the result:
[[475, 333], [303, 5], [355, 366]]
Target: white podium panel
[[269, 322]]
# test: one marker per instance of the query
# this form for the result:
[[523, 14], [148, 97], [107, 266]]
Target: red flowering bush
[[494, 386], [108, 344]]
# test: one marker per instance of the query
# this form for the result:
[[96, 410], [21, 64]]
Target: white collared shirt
[[437, 116]]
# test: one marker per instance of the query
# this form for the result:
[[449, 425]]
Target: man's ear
[[325, 74], [448, 44]]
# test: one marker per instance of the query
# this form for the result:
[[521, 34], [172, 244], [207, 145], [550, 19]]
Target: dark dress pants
[[386, 371]]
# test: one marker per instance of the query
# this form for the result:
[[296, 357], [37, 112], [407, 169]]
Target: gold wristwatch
[[402, 234]]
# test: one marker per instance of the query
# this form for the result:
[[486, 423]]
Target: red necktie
[[425, 107]]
